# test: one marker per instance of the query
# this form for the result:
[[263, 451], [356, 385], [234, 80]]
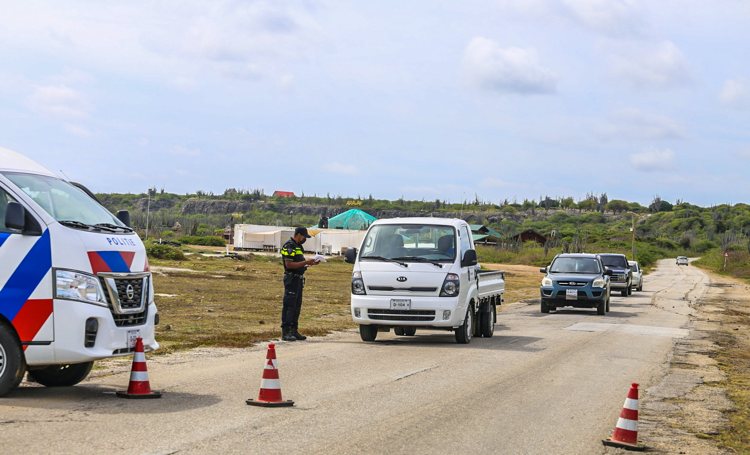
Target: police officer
[[295, 265]]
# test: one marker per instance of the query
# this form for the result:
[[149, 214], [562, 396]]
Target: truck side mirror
[[608, 271], [543, 270], [124, 216], [15, 216], [469, 259], [350, 256]]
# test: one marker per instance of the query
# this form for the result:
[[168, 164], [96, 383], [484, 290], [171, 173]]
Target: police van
[[75, 284]]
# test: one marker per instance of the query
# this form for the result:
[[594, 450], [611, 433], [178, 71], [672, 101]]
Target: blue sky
[[506, 99]]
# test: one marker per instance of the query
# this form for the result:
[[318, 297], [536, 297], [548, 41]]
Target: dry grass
[[225, 302]]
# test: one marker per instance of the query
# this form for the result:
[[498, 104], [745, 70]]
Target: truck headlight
[[358, 285], [546, 282], [72, 285], [598, 283], [451, 286]]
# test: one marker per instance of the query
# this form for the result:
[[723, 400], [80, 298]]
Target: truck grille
[[401, 315], [618, 277], [127, 296]]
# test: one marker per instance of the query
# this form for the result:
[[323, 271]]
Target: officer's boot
[[287, 335], [298, 335]]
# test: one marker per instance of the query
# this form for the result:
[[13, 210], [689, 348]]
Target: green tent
[[354, 219]]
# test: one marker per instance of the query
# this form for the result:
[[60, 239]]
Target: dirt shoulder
[[702, 405]]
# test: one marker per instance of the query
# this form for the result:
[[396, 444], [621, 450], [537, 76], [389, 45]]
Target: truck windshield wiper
[[419, 259], [381, 258], [113, 226]]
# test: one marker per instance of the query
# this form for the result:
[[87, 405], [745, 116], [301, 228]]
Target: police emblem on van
[[401, 279]]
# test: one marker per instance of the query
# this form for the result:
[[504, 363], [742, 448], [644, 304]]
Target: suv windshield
[[575, 265], [410, 242], [66, 203], [614, 260]]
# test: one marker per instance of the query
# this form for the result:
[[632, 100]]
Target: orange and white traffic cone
[[139, 386], [270, 386], [625, 434]]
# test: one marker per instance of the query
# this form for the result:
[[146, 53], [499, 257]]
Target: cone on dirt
[[139, 386], [270, 386], [625, 434]]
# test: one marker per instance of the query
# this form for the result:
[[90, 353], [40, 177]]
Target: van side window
[[5, 198]]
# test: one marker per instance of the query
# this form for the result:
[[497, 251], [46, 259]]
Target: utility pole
[[148, 210], [632, 242]]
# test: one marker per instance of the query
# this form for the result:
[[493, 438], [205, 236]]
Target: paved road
[[552, 383]]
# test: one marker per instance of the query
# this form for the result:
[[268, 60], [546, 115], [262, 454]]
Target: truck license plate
[[132, 335], [401, 304], [571, 294]]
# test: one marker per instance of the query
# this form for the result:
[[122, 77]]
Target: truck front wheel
[[465, 331], [368, 332], [12, 363], [61, 375]]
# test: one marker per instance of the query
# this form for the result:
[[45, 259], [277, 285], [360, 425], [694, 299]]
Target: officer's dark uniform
[[294, 281]]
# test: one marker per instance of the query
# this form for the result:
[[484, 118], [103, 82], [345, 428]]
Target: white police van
[[75, 284]]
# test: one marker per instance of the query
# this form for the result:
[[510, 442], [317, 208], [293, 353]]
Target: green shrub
[[157, 251], [204, 240], [702, 246]]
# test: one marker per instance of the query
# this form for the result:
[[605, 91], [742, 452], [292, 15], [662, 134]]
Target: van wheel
[[487, 322], [12, 362], [61, 375], [464, 332], [398, 331], [410, 331], [368, 332]]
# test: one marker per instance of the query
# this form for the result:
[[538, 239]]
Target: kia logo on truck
[[401, 279]]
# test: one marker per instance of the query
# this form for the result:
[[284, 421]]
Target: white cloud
[[636, 124], [78, 130], [340, 168], [188, 152], [508, 70], [59, 101], [735, 93], [658, 68], [610, 17], [492, 182], [653, 160]]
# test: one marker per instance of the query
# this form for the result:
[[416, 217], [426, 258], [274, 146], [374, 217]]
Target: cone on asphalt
[[270, 386], [139, 386], [625, 434]]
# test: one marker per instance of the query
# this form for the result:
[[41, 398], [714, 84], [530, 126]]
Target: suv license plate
[[401, 304], [132, 335], [571, 294]]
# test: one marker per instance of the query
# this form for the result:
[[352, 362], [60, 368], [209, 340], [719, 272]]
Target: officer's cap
[[303, 231]]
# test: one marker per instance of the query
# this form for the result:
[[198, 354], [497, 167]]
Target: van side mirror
[[350, 256], [124, 216], [543, 270], [15, 216], [469, 259]]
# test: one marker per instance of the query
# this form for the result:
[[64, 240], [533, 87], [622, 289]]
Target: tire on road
[[61, 375], [410, 331], [368, 332], [465, 330], [601, 307], [624, 293], [487, 322], [399, 331], [12, 362], [545, 307]]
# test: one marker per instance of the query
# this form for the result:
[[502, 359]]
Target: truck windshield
[[614, 261], [410, 243], [66, 203], [575, 265]]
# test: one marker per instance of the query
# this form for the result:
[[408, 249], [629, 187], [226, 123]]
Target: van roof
[[14, 161], [422, 220]]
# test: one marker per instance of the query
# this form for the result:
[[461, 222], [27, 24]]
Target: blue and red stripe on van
[[3, 237], [111, 261]]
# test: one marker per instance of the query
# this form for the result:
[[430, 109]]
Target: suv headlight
[[358, 285], [546, 282], [599, 283], [451, 286], [78, 286]]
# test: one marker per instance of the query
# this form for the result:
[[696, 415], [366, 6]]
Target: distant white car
[[682, 260], [637, 281]]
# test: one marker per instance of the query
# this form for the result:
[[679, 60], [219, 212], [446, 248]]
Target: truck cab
[[422, 273], [75, 284]]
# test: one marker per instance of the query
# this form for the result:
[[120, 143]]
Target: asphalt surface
[[552, 383]]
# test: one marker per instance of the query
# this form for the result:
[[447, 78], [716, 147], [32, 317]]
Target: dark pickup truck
[[621, 278]]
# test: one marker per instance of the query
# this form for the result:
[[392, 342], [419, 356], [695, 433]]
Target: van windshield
[[66, 203], [575, 265], [410, 242]]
